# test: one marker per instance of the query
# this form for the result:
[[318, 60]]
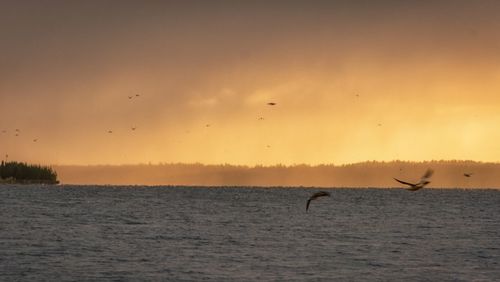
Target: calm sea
[[68, 233]]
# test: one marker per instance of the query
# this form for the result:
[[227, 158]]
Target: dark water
[[247, 234]]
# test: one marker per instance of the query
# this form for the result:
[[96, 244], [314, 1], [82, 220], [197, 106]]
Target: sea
[[166, 233]]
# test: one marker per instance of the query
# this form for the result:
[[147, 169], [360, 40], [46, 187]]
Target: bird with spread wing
[[315, 196], [419, 185]]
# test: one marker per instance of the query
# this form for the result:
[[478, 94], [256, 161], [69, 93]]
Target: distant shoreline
[[448, 175], [132, 186], [27, 182], [23, 173], [167, 186]]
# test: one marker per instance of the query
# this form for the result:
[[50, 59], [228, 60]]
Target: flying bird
[[129, 97], [424, 180], [35, 140], [207, 125], [469, 174], [137, 95], [261, 118], [271, 104], [110, 131], [315, 196]]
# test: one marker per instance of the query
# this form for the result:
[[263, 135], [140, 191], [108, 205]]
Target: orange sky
[[428, 73]]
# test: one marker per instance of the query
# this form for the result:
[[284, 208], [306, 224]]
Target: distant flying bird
[[469, 174], [379, 124], [17, 134], [207, 125], [271, 104], [137, 95], [35, 140], [261, 118], [133, 128], [357, 95], [421, 184], [110, 131], [315, 196], [17, 130], [129, 97]]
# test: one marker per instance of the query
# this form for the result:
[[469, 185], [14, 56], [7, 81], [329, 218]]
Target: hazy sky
[[353, 81]]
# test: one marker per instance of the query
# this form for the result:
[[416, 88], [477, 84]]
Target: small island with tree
[[23, 173]]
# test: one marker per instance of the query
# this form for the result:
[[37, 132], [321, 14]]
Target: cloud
[[67, 68]]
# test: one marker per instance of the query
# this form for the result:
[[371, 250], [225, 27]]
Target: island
[[23, 173]]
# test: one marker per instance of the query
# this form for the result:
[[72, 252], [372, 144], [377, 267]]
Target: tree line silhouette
[[448, 174], [18, 172]]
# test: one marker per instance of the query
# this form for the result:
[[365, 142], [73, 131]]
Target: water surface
[[67, 233]]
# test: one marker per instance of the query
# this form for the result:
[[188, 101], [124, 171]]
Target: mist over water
[[62, 233]]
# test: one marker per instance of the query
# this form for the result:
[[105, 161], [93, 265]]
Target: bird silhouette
[[316, 196], [133, 128], [271, 104], [110, 131], [137, 95], [424, 180], [468, 174], [261, 118], [129, 97], [35, 140]]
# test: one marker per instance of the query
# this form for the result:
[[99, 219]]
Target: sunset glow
[[351, 81]]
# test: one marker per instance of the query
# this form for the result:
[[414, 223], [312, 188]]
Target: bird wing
[[402, 182], [307, 205], [320, 194], [428, 174]]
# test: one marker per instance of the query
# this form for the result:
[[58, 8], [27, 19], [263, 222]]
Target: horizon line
[[280, 164], [273, 186]]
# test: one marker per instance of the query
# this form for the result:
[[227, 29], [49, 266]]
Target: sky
[[352, 81]]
